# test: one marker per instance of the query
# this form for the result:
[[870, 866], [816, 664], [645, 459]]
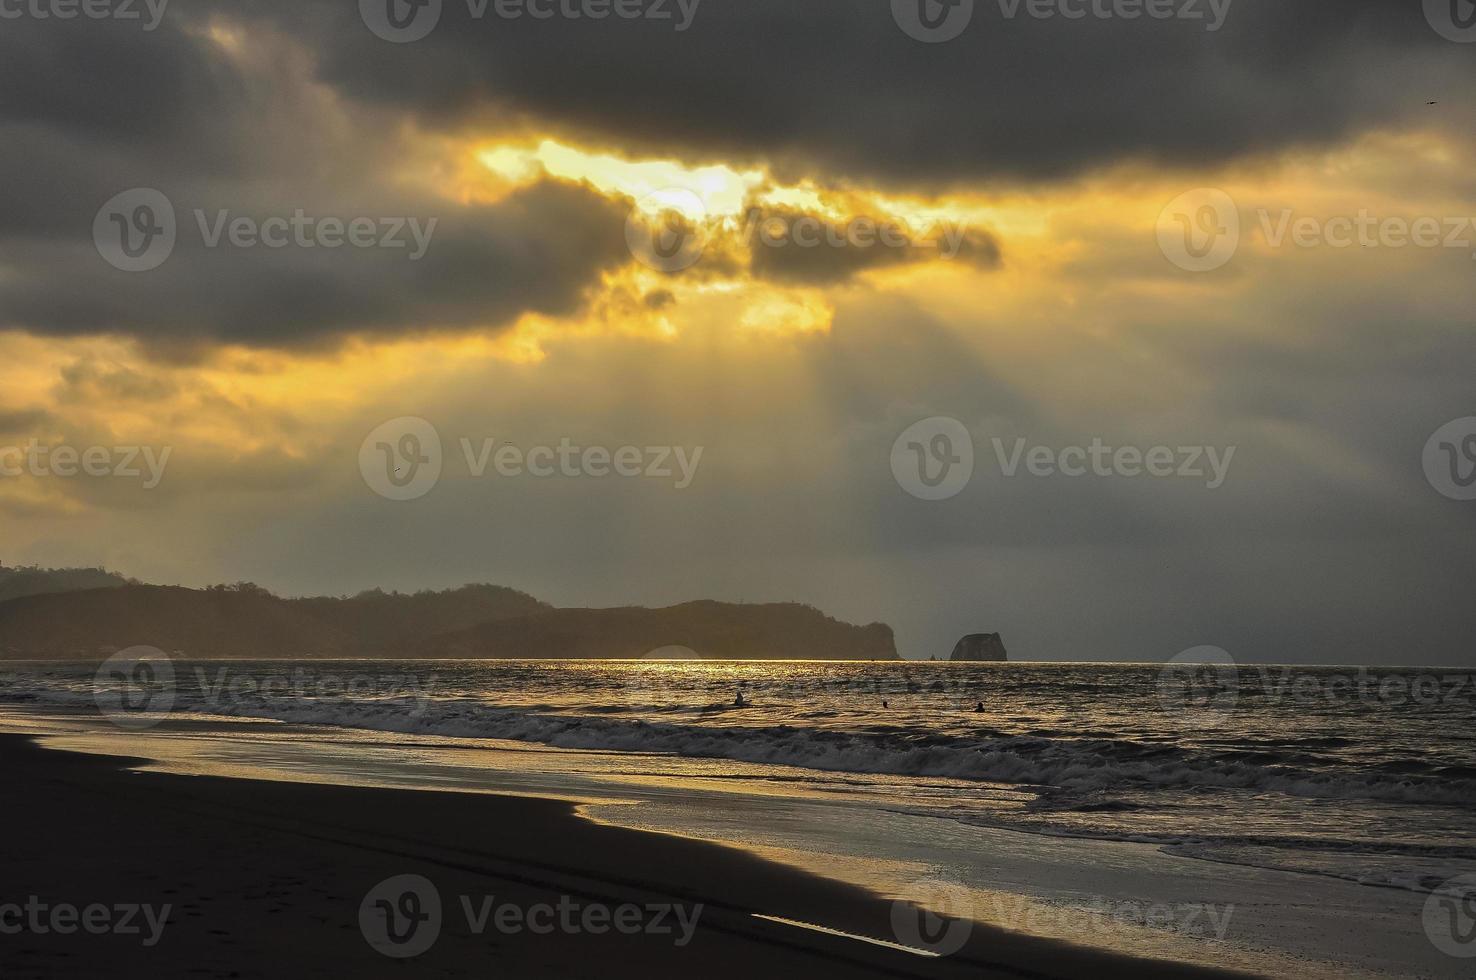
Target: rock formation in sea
[[977, 647]]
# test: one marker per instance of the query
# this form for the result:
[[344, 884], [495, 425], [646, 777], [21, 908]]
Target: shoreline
[[257, 867]]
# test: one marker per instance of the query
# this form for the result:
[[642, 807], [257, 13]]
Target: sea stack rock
[[980, 647]]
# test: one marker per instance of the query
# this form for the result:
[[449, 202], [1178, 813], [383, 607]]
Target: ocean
[[1362, 774]]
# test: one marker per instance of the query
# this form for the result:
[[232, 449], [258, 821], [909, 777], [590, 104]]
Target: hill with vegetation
[[245, 621], [17, 581], [713, 630]]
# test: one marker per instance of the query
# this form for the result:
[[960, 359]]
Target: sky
[[1119, 327]]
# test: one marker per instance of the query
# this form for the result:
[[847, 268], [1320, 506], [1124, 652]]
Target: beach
[[585, 489], [251, 878], [1273, 836]]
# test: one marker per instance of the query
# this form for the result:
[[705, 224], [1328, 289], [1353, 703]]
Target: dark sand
[[266, 880]]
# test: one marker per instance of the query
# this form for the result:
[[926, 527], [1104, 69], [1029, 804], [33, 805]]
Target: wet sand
[[268, 879]]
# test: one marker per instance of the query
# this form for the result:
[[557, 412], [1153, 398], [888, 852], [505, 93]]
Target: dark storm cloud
[[88, 382], [302, 106], [835, 86], [482, 266], [23, 422], [86, 104], [108, 80], [92, 109]]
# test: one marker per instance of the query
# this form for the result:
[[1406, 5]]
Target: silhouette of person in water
[[979, 708], [884, 703], [739, 702]]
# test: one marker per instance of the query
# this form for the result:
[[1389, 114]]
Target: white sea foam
[[1078, 766], [1090, 742]]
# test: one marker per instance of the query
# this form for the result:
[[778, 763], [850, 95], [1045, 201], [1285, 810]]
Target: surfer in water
[[739, 701]]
